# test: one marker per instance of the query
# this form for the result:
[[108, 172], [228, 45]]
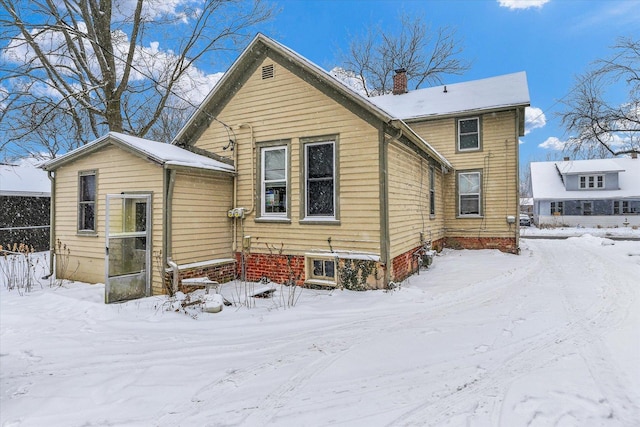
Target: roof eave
[[457, 113]]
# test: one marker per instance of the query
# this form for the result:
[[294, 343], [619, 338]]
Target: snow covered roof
[[486, 94], [546, 183], [165, 154], [26, 180], [572, 167]]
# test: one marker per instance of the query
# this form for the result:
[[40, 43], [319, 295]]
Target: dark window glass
[[320, 179]]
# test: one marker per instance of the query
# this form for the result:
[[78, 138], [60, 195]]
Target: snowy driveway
[[551, 337]]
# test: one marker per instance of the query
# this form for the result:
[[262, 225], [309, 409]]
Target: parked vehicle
[[525, 220]]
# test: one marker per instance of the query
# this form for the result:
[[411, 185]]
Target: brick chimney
[[400, 81]]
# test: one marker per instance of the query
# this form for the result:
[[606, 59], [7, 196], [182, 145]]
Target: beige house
[[289, 174]]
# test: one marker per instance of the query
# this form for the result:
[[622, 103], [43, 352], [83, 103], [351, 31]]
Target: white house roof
[[24, 180], [546, 183], [573, 167], [165, 154], [477, 95]]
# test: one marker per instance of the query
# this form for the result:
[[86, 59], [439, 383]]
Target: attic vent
[[267, 72]]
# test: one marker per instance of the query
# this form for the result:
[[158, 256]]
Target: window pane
[[469, 183], [469, 205], [468, 126], [329, 269], [320, 161], [317, 267], [87, 216], [320, 197], [468, 141], [275, 164], [275, 197], [87, 188]]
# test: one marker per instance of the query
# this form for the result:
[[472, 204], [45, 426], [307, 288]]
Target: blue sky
[[553, 41]]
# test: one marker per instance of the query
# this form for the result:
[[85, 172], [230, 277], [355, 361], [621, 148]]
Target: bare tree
[[426, 55], [600, 125], [71, 70]]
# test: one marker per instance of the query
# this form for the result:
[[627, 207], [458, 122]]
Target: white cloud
[[553, 143], [534, 118], [522, 4]]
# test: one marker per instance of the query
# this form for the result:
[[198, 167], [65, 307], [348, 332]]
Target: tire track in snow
[[529, 355]]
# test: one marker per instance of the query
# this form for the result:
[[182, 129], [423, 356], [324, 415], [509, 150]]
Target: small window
[[469, 134], [274, 181], [267, 72], [320, 195], [469, 192], [87, 201], [323, 269], [588, 182], [432, 191], [557, 208], [621, 207]]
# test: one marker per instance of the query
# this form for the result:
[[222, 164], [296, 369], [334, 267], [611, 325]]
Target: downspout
[[516, 225], [385, 242], [52, 223], [167, 229]]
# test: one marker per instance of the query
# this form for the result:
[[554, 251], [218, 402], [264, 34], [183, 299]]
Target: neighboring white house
[[589, 193]]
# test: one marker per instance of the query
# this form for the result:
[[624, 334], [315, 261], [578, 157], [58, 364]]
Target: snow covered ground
[[548, 338]]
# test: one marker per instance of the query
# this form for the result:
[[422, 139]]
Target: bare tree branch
[[600, 125], [427, 56], [79, 68]]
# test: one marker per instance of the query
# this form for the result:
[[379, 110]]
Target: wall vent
[[267, 72]]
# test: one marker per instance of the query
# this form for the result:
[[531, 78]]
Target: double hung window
[[557, 208], [469, 134], [432, 191], [320, 180], [469, 193], [87, 201], [274, 181]]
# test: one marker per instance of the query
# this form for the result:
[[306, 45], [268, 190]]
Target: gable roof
[[27, 181], [161, 153], [263, 46], [489, 94], [546, 183]]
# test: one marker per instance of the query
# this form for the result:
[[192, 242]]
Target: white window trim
[[310, 279], [459, 128], [479, 194], [94, 202], [593, 177], [307, 217], [263, 211]]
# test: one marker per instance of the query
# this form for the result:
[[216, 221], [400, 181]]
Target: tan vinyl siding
[[200, 226], [287, 108], [498, 163], [116, 171], [409, 215]]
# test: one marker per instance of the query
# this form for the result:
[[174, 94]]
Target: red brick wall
[[404, 265], [221, 273], [505, 244], [277, 268]]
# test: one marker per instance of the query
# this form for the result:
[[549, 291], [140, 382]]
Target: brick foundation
[[277, 268], [504, 244], [220, 272], [404, 265]]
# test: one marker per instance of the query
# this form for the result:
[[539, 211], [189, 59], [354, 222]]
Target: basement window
[[267, 72]]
